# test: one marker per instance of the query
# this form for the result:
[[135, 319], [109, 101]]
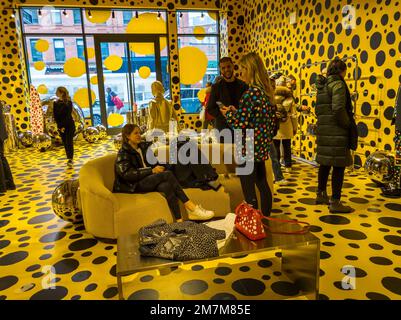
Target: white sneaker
[[282, 182], [287, 169], [200, 214]]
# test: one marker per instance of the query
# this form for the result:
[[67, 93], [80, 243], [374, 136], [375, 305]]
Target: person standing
[[228, 91], [6, 177], [62, 111], [336, 133], [110, 103], [256, 111]]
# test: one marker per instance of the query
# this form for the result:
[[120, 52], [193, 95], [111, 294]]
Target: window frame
[[32, 43], [55, 49]]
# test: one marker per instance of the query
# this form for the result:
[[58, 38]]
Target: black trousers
[[257, 178], [6, 177], [167, 184], [287, 151], [337, 179], [68, 141]]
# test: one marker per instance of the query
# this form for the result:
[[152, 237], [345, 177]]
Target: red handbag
[[249, 222]]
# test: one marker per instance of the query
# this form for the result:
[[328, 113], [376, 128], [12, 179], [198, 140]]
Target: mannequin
[[161, 111]]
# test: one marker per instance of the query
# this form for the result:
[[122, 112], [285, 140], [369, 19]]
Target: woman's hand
[[158, 169], [233, 109], [224, 110]]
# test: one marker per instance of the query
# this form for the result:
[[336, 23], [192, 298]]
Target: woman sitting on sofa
[[134, 174]]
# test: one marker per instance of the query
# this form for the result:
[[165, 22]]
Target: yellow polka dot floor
[[33, 238]]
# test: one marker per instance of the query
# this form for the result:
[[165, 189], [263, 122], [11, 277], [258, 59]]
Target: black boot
[[336, 206], [322, 198]]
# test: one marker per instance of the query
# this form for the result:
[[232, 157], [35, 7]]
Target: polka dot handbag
[[249, 222]]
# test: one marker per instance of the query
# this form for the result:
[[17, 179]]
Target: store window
[[56, 17], [77, 16], [59, 49], [30, 16], [198, 37], [127, 16]]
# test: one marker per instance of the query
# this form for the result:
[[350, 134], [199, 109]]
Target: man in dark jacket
[[227, 90], [335, 136], [6, 178]]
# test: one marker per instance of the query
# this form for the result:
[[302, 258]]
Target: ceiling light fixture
[[181, 14], [202, 16], [159, 15], [65, 13], [136, 14], [89, 13], [112, 14], [39, 13]]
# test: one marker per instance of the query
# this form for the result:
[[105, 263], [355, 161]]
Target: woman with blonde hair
[[256, 111], [62, 111], [161, 111]]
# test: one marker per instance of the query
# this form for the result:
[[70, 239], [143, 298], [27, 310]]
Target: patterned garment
[[256, 112], [180, 241]]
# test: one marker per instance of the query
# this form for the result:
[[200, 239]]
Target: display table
[[300, 258]]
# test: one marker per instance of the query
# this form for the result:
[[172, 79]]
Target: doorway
[[126, 67]]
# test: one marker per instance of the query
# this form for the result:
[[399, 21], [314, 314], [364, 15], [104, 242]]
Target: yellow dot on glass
[[98, 16], [144, 72], [188, 58], [147, 23], [199, 32], [90, 53], [202, 95], [74, 67], [113, 62], [39, 65], [42, 89], [115, 120], [81, 97], [94, 80], [42, 45]]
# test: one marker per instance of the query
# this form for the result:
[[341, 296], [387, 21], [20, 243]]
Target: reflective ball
[[66, 201], [91, 134], [102, 131], [42, 141], [118, 141], [379, 166], [26, 138]]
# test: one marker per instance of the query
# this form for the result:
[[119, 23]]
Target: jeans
[[166, 183], [287, 151], [257, 178], [6, 177], [278, 174], [68, 140], [337, 180]]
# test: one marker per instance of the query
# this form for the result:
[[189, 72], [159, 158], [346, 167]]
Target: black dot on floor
[[7, 282], [41, 219], [244, 268], [393, 206], [99, 260], [324, 255], [81, 276], [223, 271], [392, 284], [82, 244], [352, 234], [396, 240], [334, 219], [381, 261], [249, 287], [376, 296], [285, 288], [219, 280], [52, 237], [66, 266], [351, 258], [197, 267], [13, 258], [323, 297], [286, 191], [315, 229], [359, 200], [266, 277], [375, 246], [223, 296], [194, 287], [390, 221], [56, 293], [91, 287], [110, 293], [144, 294], [308, 201]]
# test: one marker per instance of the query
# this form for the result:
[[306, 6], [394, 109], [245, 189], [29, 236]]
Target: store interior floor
[[32, 238]]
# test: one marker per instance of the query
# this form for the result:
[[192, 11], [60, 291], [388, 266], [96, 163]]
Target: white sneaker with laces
[[200, 214]]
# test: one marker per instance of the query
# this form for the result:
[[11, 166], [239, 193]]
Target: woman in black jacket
[[134, 174], [335, 134], [62, 111]]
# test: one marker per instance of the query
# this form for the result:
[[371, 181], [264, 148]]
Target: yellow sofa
[[108, 215]]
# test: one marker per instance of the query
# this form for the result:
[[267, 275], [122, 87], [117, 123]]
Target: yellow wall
[[14, 89], [318, 35]]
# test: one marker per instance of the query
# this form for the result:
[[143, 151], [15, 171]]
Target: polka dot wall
[[318, 35], [33, 239]]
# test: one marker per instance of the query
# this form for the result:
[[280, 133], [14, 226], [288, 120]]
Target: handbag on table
[[249, 222]]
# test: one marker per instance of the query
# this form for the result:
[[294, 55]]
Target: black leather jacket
[[129, 169]]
